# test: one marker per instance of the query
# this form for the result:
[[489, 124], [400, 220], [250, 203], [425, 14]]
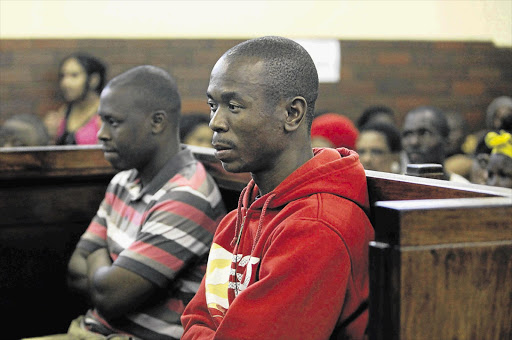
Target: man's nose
[[218, 122], [412, 139], [103, 134], [365, 157]]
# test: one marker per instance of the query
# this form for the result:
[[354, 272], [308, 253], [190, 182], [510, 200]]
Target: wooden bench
[[441, 262]]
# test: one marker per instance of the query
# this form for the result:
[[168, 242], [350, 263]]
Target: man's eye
[[113, 122], [213, 106], [377, 152], [425, 133], [233, 107]]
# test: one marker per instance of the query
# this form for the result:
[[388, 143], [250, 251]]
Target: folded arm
[[115, 291]]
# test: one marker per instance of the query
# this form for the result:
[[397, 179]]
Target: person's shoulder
[[194, 174], [327, 208], [340, 213]]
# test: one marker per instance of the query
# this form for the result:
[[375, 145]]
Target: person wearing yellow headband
[[499, 168]]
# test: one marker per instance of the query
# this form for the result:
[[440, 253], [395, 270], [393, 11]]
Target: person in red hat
[[333, 130]]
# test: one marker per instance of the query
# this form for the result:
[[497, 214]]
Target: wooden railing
[[441, 262]]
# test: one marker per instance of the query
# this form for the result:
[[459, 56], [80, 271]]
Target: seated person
[[143, 256], [379, 147], [23, 130], [425, 136], [498, 117], [376, 113], [292, 261], [480, 159], [457, 161], [499, 168], [194, 130], [499, 114], [333, 130], [81, 79]]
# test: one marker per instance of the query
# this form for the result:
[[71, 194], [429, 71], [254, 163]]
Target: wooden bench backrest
[[440, 263]]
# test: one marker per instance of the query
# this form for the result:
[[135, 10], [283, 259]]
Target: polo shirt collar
[[177, 162]]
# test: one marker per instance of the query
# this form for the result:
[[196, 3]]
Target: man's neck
[[269, 180], [157, 163]]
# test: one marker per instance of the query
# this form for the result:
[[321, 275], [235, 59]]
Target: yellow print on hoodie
[[218, 272]]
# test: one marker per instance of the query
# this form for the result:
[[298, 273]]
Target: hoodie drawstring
[[238, 217], [260, 222]]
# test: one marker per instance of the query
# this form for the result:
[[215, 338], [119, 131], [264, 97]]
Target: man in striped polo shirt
[[143, 256]]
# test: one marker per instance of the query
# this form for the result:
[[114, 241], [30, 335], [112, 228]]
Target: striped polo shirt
[[161, 232]]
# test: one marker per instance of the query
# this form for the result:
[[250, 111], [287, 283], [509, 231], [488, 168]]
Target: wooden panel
[[427, 222], [53, 161], [458, 291], [441, 269], [52, 201]]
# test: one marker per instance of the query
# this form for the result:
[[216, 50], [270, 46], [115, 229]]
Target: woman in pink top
[[81, 79]]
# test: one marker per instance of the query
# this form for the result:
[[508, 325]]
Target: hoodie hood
[[333, 171]]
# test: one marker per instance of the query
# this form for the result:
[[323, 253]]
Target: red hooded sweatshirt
[[292, 264]]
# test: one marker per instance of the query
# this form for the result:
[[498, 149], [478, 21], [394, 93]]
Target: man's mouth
[[108, 149], [222, 150]]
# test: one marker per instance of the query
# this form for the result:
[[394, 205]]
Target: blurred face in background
[[422, 140], [16, 133], [503, 113], [200, 136], [499, 171], [374, 152], [456, 136], [73, 81]]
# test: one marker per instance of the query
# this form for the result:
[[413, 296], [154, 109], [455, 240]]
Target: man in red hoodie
[[292, 261]]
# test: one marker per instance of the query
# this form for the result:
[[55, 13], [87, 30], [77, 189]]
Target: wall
[[452, 53], [453, 75], [461, 20]]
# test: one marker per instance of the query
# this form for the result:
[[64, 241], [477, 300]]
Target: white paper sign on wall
[[326, 54]]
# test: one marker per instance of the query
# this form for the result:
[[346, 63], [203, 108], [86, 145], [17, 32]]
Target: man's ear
[[158, 121], [94, 81], [296, 113]]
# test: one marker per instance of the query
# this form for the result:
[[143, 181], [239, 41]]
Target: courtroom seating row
[[441, 261]]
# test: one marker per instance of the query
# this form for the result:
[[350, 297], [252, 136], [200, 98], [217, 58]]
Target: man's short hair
[[391, 132], [370, 112], [30, 121], [290, 70], [156, 89]]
